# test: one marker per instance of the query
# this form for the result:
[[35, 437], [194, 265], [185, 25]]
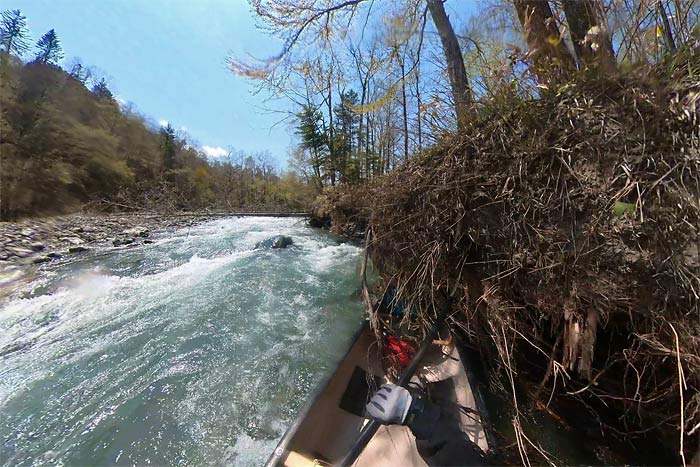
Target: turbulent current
[[196, 349]]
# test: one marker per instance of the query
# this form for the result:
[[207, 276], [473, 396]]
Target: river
[[195, 349]]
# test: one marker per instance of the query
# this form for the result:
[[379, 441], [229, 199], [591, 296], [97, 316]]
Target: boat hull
[[331, 422]]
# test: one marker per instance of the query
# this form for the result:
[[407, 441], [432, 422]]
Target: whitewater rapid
[[196, 349]]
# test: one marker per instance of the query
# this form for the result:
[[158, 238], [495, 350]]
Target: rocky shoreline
[[36, 241]]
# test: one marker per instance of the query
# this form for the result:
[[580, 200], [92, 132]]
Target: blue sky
[[168, 58]]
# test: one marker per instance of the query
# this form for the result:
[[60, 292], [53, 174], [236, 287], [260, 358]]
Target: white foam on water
[[328, 256], [91, 300], [300, 300], [265, 318], [312, 279], [247, 451], [91, 295]]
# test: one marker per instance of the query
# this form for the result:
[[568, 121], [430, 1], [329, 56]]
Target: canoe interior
[[331, 423]]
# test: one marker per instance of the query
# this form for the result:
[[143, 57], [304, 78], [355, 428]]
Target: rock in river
[[276, 242], [122, 241], [137, 232]]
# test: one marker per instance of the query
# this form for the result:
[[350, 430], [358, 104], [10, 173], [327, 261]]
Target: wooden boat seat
[[294, 459]]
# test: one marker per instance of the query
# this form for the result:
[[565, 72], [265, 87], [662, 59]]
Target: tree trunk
[[369, 143], [404, 105], [331, 133], [668, 34], [589, 33], [542, 35], [459, 83], [419, 116], [361, 129]]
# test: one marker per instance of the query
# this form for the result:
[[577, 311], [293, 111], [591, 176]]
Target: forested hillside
[[66, 141]]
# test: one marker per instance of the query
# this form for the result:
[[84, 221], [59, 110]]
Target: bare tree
[[293, 19], [461, 92]]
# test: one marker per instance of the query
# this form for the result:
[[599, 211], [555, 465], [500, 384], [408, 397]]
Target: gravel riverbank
[[30, 242]]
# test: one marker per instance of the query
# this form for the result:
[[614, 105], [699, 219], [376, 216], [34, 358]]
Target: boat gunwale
[[289, 434], [468, 355]]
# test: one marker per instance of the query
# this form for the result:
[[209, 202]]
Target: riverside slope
[[196, 349]]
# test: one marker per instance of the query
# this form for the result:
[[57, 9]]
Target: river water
[[196, 349]]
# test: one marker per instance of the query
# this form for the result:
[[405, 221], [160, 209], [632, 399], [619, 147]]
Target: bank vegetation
[[539, 162]]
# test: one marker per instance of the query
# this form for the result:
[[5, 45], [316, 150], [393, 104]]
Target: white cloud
[[215, 152], [184, 128], [163, 122]]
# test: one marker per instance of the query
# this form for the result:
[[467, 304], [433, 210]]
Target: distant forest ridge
[[65, 141]]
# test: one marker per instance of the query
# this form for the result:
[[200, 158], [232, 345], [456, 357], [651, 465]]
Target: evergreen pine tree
[[345, 131], [167, 135], [313, 139], [49, 48], [13, 32]]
